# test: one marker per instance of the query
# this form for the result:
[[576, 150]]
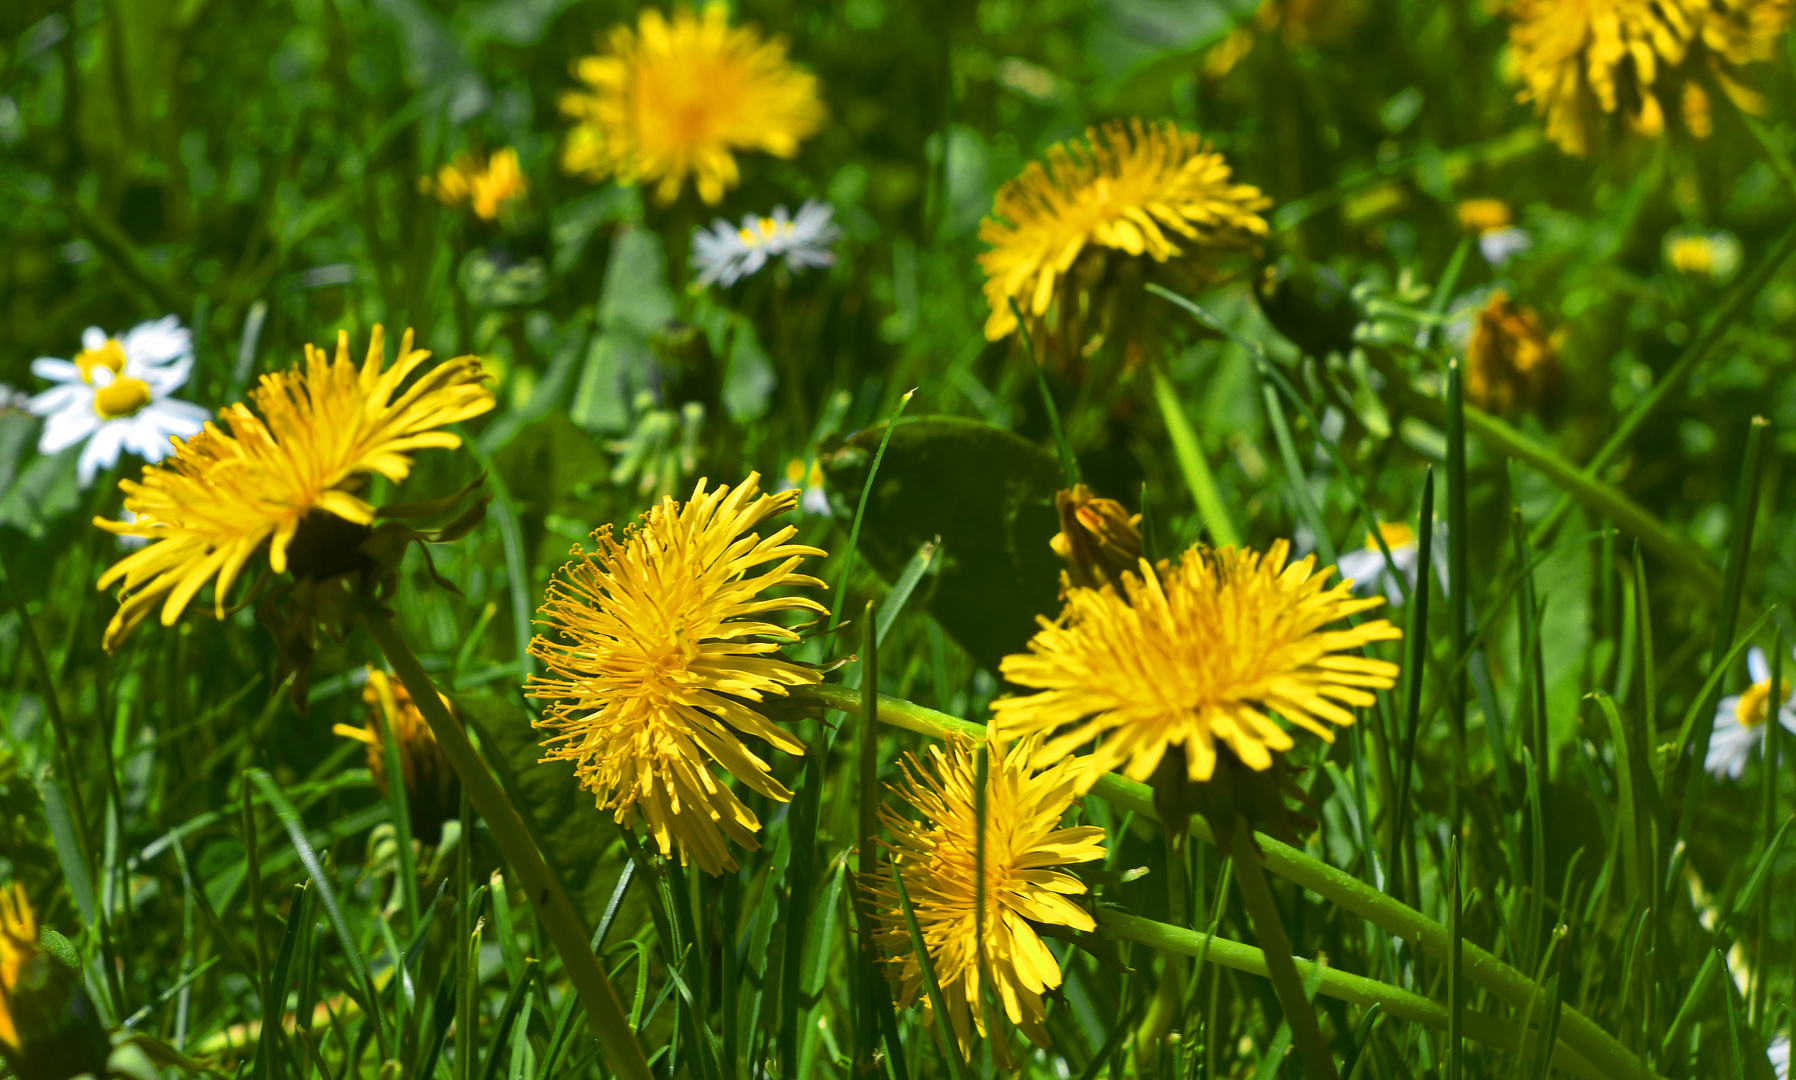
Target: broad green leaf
[[989, 495]]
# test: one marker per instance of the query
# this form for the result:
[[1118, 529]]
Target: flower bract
[[1192, 654], [1025, 885], [678, 97], [114, 395], [661, 651]]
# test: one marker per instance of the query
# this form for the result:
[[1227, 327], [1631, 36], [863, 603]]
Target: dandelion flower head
[[937, 857], [282, 479], [661, 650], [678, 97], [1139, 189], [1194, 654], [18, 947], [114, 395], [482, 185]]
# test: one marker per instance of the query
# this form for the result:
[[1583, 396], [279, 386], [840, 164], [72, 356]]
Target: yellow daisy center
[[1753, 708], [110, 356], [121, 397], [765, 231], [1694, 255]]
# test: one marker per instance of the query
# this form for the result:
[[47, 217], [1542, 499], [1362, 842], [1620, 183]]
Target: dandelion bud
[[1098, 538], [1511, 363]]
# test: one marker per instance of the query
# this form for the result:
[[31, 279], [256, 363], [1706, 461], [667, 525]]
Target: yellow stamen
[[1752, 709], [121, 397], [110, 356]]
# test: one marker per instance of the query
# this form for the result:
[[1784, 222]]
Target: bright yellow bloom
[[284, 482], [1125, 188], [1484, 215], [433, 791], [1582, 60], [936, 857], [1511, 362], [678, 97], [1193, 655], [664, 647], [483, 185], [18, 947]]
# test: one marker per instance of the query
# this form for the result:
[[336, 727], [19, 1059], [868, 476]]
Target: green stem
[[1281, 968], [1191, 460], [1360, 898], [553, 908], [1353, 989]]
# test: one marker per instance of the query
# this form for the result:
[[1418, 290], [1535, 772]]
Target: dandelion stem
[[1280, 966], [553, 908]]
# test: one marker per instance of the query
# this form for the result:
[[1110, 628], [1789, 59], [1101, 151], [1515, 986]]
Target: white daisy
[[815, 499], [727, 254], [1501, 245], [1740, 719], [1371, 574], [1779, 1053], [114, 395]]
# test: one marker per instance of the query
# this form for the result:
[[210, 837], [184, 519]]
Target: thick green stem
[[1281, 968], [1353, 989], [554, 911], [1190, 456], [1505, 983]]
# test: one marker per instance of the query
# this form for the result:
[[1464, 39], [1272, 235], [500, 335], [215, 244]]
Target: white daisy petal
[[1758, 665], [101, 452], [48, 367], [92, 338], [1729, 747], [65, 429]]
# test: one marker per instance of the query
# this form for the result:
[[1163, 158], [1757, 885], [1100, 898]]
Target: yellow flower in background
[[1583, 60], [18, 947], [48, 1025], [1484, 215], [1512, 362], [433, 791], [1199, 653], [1696, 253], [937, 858], [283, 479], [483, 185], [661, 648], [678, 97], [1128, 187]]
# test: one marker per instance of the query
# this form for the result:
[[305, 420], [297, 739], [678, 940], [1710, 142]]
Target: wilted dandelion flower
[[1099, 539], [937, 858], [1370, 573], [1740, 718], [1133, 188], [282, 480], [1197, 654], [1583, 60], [1511, 361], [432, 790], [661, 650], [115, 395], [678, 98], [1713, 256], [727, 254], [48, 1026], [482, 185], [1499, 240]]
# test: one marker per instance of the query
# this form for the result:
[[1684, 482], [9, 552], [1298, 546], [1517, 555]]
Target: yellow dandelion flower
[[18, 946], [1484, 215], [663, 649], [678, 98], [1099, 539], [1196, 654], [1130, 188], [282, 480], [48, 1025], [484, 185], [432, 790], [937, 858], [1583, 60], [1511, 361]]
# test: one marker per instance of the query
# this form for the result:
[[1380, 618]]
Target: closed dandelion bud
[[48, 1027], [432, 790], [1511, 364], [1098, 538]]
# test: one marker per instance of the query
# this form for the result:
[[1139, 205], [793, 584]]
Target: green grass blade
[[1069, 464], [944, 1031]]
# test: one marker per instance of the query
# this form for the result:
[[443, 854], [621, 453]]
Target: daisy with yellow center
[[937, 857], [1712, 256], [432, 790], [1141, 190], [1196, 655], [677, 98], [1583, 60], [483, 185], [1740, 718], [662, 648], [282, 480]]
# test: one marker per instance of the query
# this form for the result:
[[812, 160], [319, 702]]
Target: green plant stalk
[[1069, 464], [1281, 967], [1190, 456], [1602, 498], [1455, 966], [554, 911], [868, 860], [1417, 632], [1360, 898], [1340, 985], [1459, 610]]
